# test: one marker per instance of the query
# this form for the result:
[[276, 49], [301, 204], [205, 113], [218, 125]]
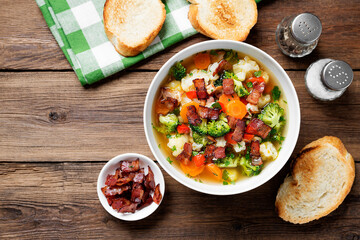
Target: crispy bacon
[[139, 176], [228, 86], [137, 193], [185, 156], [157, 195], [258, 128], [110, 192], [149, 179], [223, 65], [258, 88], [166, 105], [200, 88], [167, 92], [129, 208], [208, 113], [192, 115], [111, 180], [219, 152], [119, 203], [255, 153], [126, 178], [232, 122], [146, 203], [130, 166], [239, 131], [209, 152]]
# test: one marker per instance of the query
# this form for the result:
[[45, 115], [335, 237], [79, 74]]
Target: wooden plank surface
[[59, 200], [26, 42], [40, 112]]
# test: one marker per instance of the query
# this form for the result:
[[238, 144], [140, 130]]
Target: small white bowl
[[111, 166], [293, 118]]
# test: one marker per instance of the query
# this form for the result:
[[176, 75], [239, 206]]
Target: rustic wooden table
[[55, 136]]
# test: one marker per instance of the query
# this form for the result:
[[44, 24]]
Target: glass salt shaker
[[298, 35], [327, 79]]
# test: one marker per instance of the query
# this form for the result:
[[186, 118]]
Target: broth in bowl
[[219, 117]]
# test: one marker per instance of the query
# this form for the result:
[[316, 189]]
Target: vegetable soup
[[219, 116]]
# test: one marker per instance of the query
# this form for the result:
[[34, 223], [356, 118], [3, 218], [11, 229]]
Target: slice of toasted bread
[[223, 19], [131, 25], [322, 176]]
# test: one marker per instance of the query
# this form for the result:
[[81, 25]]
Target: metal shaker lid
[[337, 75], [306, 28]]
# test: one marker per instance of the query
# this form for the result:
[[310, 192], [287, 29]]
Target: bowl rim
[[140, 214], [258, 180]]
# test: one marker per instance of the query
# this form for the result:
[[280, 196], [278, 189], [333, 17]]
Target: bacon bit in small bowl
[[129, 189]]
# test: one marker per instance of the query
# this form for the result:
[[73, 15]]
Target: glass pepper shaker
[[327, 79], [298, 35]]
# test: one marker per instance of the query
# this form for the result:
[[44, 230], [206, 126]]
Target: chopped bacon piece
[[232, 122], [219, 152], [157, 195], [137, 193], [258, 128], [255, 153], [149, 179], [119, 203], [258, 88], [129, 208], [209, 152], [200, 88], [126, 178], [166, 105], [146, 203], [228, 86], [130, 166], [192, 115], [110, 192], [168, 93], [185, 155], [208, 113], [239, 131], [111, 180], [223, 65], [139, 176], [217, 92]]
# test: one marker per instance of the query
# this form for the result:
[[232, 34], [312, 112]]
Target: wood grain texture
[[59, 200], [26, 42], [48, 116]]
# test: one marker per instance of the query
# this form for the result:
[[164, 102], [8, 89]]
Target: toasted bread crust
[[126, 48], [224, 22], [302, 185]]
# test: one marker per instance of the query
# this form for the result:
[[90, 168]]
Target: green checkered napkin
[[77, 26]]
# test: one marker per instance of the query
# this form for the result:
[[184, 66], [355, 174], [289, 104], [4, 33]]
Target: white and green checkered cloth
[[77, 26]]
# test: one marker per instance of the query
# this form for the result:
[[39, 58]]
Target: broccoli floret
[[228, 162], [240, 89], [178, 71], [231, 56], [168, 123], [201, 128], [225, 75], [200, 139], [272, 114], [247, 168], [218, 128]]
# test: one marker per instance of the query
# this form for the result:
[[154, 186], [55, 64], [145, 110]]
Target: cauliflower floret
[[210, 88], [265, 76], [268, 151], [211, 70], [239, 147], [174, 85], [252, 108], [263, 100], [176, 143], [187, 82], [197, 147], [244, 68], [220, 142]]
